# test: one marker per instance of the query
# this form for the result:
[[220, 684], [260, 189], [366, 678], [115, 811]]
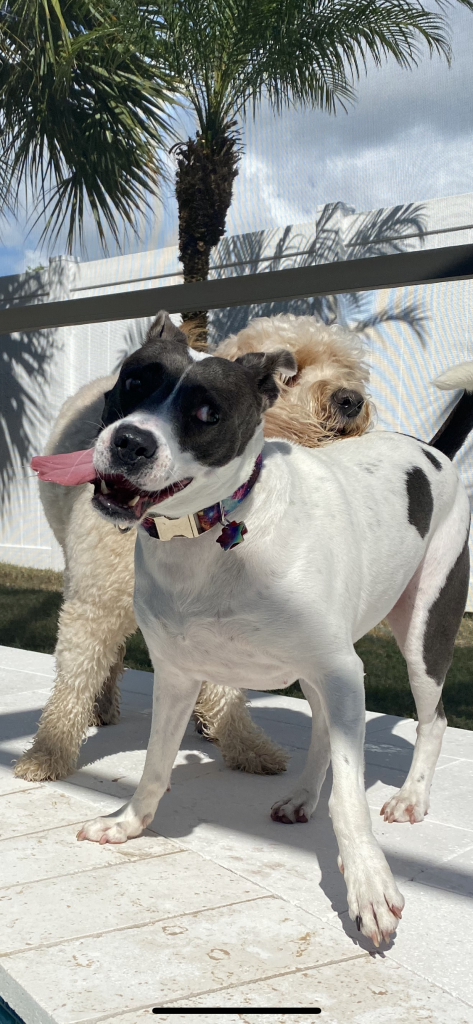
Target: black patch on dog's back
[[431, 457], [420, 503], [444, 619]]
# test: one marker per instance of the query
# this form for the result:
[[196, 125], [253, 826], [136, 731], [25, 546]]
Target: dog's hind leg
[[425, 622], [224, 718], [299, 805], [106, 709]]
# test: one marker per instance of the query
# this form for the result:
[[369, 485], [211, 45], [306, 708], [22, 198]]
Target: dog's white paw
[[374, 900], [113, 829], [411, 803], [296, 808]]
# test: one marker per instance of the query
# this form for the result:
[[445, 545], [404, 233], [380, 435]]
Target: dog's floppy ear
[[262, 366], [163, 329]]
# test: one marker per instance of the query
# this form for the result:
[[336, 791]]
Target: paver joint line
[[28, 835], [27, 671], [293, 903], [431, 821], [24, 789], [280, 974], [455, 854], [418, 974], [228, 988], [440, 888], [132, 927], [269, 892], [98, 867]]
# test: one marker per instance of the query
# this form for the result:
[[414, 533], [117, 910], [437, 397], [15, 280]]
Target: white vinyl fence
[[411, 335]]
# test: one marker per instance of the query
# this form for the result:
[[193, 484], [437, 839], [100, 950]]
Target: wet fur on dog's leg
[[68, 711], [89, 638], [106, 710]]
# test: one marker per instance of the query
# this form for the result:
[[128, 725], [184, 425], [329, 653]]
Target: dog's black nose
[[132, 443], [349, 402]]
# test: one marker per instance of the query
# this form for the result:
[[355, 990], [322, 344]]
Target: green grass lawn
[[30, 600], [29, 605]]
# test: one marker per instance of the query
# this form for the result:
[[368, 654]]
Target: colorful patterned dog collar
[[162, 528]]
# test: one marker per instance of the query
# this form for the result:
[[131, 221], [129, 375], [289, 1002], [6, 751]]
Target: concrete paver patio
[[216, 905]]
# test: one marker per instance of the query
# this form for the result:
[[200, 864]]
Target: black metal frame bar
[[429, 266]]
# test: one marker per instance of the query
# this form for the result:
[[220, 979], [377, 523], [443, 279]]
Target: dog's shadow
[[204, 792]]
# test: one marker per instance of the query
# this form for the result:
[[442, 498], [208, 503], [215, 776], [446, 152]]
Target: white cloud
[[408, 138]]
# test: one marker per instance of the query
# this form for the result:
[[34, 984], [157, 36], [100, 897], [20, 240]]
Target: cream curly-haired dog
[[327, 399]]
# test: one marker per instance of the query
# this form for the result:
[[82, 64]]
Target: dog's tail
[[453, 433]]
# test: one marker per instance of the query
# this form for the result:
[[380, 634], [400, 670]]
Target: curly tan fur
[[97, 614], [328, 358], [106, 709], [219, 713]]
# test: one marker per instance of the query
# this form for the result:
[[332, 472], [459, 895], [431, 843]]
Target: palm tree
[[229, 54], [82, 112]]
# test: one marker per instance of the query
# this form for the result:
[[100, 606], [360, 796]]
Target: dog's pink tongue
[[70, 468]]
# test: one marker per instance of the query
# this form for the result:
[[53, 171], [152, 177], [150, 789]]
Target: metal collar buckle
[[186, 526]]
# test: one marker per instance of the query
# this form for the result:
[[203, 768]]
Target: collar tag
[[186, 526], [232, 534]]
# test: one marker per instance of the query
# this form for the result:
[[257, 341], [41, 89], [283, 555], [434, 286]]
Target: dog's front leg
[[374, 900], [173, 703]]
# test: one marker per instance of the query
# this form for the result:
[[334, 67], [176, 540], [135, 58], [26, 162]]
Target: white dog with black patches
[[282, 557]]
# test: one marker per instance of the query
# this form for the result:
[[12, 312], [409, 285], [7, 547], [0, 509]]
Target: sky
[[408, 138]]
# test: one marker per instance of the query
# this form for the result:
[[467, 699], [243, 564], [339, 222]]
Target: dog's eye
[[132, 383], [207, 415]]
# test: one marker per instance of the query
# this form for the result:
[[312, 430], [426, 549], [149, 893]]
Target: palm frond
[[227, 54], [84, 112]]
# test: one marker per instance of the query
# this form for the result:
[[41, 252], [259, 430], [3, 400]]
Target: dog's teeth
[[104, 488], [134, 501]]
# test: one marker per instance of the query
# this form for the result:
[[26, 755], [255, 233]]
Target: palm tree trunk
[[204, 183]]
